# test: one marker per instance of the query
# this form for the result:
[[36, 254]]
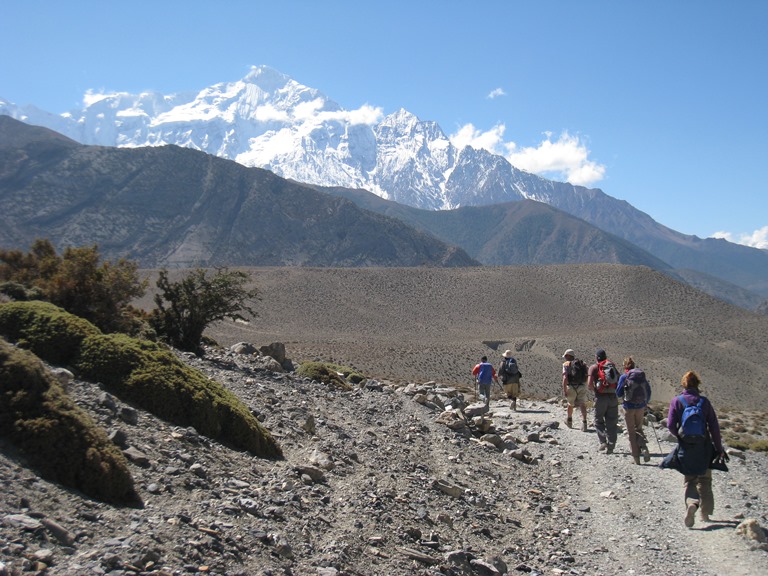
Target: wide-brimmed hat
[[507, 354], [569, 352]]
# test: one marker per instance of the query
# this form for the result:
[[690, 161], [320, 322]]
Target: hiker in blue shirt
[[485, 374]]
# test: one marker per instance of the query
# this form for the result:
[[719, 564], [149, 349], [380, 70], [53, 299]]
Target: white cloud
[[756, 239], [495, 93], [364, 115], [268, 113], [566, 158], [92, 97], [468, 135], [311, 112]]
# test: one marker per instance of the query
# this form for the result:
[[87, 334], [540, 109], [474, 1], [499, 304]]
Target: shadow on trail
[[719, 525]]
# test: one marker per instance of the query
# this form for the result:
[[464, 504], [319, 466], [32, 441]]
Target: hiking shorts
[[577, 395], [512, 389]]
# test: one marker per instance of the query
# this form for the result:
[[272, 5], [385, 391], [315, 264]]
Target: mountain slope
[[524, 232], [176, 207], [269, 120]]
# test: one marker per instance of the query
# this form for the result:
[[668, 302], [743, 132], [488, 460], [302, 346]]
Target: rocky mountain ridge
[[269, 120]]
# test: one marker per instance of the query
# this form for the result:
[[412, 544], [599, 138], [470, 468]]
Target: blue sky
[[659, 103]]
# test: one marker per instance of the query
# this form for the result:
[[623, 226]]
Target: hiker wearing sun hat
[[510, 374], [574, 387]]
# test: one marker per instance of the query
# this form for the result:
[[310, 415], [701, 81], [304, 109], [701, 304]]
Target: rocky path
[[628, 519], [375, 482]]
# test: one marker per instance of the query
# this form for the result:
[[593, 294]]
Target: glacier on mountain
[[270, 121]]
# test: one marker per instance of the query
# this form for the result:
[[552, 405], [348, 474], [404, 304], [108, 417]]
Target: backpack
[[607, 377], [692, 424], [485, 373], [576, 372], [509, 371], [635, 387]]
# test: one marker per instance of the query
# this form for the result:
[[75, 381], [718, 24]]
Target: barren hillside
[[421, 324]]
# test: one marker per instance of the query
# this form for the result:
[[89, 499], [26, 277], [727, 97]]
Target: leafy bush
[[19, 292], [326, 373], [48, 331], [150, 376], [78, 281], [56, 437], [186, 308]]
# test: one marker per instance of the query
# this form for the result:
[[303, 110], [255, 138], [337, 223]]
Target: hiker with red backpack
[[635, 391], [603, 377], [693, 421]]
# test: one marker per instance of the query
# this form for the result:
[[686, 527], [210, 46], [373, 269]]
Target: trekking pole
[[657, 437]]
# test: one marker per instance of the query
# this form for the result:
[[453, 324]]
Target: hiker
[[635, 391], [510, 377], [602, 380], [693, 421], [485, 375], [574, 387]]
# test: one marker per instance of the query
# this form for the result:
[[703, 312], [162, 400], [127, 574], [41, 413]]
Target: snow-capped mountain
[[269, 120]]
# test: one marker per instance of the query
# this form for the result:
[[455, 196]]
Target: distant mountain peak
[[268, 120]]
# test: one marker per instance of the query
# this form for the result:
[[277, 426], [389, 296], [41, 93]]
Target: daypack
[[509, 372], [692, 424], [576, 373], [485, 373], [635, 387], [607, 377]]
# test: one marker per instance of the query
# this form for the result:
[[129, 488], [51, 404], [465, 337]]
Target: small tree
[[78, 281], [186, 308]]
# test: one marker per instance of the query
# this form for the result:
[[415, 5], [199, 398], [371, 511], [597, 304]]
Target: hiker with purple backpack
[[635, 391]]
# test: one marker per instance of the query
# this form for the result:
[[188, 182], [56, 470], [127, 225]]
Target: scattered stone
[[137, 456], [446, 488]]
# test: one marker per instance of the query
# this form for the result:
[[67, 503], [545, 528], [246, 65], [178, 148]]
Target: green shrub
[[185, 308], [735, 441], [78, 281], [150, 376], [19, 292], [326, 373], [55, 436], [759, 446], [48, 331]]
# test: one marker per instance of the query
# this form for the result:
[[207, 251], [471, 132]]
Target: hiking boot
[[609, 449], [603, 447], [569, 422], [705, 517], [690, 515], [584, 426], [646, 454]]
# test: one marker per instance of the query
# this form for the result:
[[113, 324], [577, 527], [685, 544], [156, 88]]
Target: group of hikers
[[691, 418]]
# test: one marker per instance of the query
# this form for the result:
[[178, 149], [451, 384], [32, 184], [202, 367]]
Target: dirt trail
[[628, 519]]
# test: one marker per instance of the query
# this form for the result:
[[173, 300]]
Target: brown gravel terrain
[[421, 324], [390, 478]]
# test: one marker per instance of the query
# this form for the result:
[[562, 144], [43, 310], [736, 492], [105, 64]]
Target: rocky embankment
[[382, 480]]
